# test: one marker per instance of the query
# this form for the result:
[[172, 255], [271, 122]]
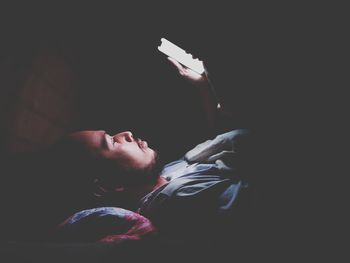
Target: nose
[[123, 137]]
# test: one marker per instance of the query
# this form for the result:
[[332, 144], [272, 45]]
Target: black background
[[265, 61]]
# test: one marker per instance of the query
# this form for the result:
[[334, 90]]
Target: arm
[[210, 105]]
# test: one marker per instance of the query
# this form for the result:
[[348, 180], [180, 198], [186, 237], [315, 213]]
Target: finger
[[176, 64]]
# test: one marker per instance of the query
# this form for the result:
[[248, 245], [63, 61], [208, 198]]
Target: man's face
[[122, 147]]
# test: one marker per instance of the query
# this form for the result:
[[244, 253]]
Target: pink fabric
[[105, 224]]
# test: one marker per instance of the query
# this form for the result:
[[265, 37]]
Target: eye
[[111, 139]]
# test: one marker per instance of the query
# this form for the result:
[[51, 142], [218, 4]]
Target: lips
[[145, 144], [142, 144]]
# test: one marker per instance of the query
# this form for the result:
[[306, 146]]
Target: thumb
[[176, 64]]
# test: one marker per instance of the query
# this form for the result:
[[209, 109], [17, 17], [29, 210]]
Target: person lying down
[[119, 176], [191, 197]]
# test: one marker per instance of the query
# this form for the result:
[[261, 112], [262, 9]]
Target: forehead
[[89, 138]]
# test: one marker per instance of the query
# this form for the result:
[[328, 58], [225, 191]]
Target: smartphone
[[187, 60], [181, 56]]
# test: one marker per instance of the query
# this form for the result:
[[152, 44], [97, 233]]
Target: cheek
[[129, 155], [139, 159], [132, 156]]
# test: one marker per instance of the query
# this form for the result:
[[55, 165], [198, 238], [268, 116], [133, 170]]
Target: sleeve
[[226, 144]]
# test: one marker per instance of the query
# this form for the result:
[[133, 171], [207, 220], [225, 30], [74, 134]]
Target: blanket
[[104, 224]]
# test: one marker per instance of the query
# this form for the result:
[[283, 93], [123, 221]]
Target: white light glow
[[181, 56]]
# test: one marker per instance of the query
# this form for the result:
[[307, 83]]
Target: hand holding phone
[[193, 71], [181, 56]]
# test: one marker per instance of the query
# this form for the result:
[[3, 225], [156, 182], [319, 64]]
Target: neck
[[160, 182], [140, 191]]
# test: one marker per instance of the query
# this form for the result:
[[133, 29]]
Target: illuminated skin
[[202, 83], [122, 147], [188, 73]]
